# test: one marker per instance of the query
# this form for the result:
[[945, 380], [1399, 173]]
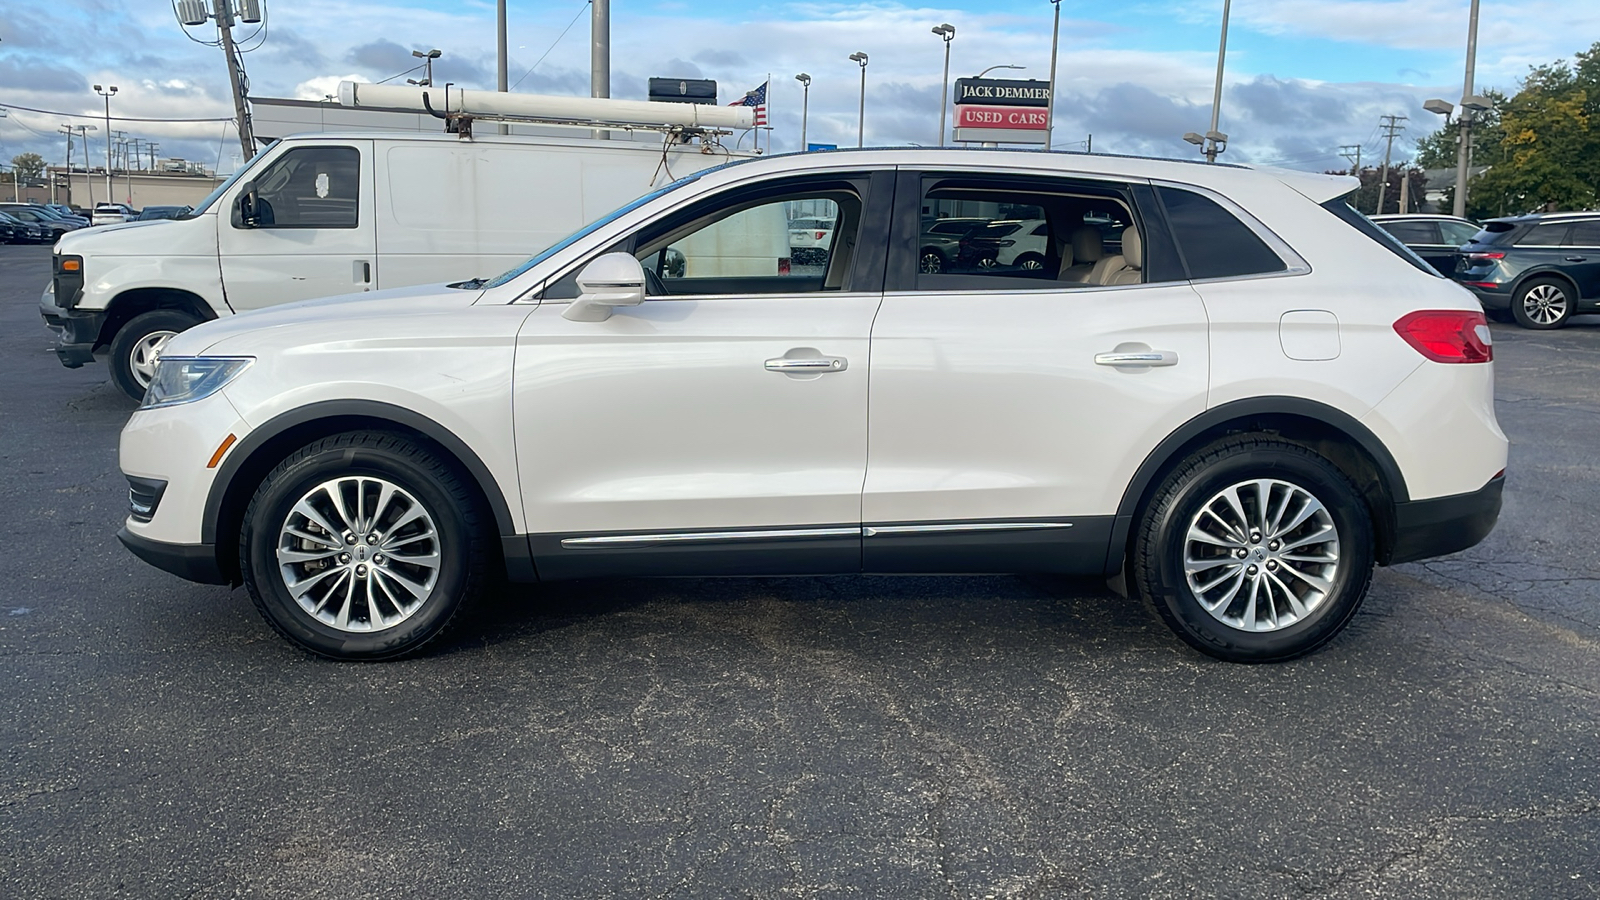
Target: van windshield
[[222, 188], [579, 235]]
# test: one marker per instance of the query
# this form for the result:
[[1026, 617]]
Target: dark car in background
[[162, 212], [8, 234], [47, 220], [1538, 270], [1435, 238], [26, 232], [941, 241]]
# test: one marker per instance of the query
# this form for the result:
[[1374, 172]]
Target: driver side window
[[310, 187]]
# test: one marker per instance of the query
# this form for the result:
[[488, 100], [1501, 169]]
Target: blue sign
[[811, 147]]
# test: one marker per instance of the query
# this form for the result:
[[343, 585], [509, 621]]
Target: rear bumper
[[192, 562], [1428, 528], [76, 331], [1496, 299]]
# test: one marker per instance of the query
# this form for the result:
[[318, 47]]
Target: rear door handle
[[808, 365], [1138, 358]]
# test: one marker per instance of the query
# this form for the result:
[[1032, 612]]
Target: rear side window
[[1545, 234], [1214, 243], [1412, 232], [1585, 234], [1367, 227]]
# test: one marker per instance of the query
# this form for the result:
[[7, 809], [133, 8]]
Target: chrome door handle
[[1577, 258], [1130, 360], [816, 366]]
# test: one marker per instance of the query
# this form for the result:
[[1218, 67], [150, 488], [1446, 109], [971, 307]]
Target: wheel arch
[[1334, 434], [263, 448], [1551, 273], [135, 301]]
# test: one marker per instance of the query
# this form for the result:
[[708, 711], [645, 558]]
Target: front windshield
[[222, 188], [585, 231]]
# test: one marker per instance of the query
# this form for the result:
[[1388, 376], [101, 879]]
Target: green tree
[[28, 165]]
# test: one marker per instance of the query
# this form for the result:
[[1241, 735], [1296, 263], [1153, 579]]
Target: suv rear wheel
[[138, 345], [1542, 304], [1255, 550], [362, 546]]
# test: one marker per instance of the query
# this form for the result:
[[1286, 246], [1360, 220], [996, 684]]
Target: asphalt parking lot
[[879, 737]]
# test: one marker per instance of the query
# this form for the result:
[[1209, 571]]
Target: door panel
[[317, 236], [667, 419]]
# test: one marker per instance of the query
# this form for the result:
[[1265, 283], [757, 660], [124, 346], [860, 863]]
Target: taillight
[[820, 234], [1496, 255], [783, 267], [1447, 335]]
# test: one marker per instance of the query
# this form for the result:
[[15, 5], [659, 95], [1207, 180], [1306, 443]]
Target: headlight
[[185, 379]]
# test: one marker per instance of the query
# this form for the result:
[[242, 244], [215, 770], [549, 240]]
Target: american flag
[[758, 99]]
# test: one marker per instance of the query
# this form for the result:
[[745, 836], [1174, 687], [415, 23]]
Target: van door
[[313, 231]]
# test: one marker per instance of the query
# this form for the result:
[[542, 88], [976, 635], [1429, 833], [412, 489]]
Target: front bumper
[[1435, 527], [77, 331], [192, 562]]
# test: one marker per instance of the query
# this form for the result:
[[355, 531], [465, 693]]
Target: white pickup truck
[[323, 214]]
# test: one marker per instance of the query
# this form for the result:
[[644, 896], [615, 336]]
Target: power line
[[553, 44], [100, 118]]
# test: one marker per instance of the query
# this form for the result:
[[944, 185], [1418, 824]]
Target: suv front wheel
[[362, 546], [1255, 550]]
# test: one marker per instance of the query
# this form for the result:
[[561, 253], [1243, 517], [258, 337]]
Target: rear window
[[1366, 226], [1214, 244]]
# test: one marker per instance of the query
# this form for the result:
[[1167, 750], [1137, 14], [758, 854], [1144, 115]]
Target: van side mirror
[[247, 207], [612, 280]]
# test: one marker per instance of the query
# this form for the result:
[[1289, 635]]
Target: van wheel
[[138, 345], [1542, 304], [1255, 550], [362, 546]]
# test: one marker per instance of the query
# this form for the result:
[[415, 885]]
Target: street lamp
[[427, 60], [948, 32], [1469, 104], [805, 107], [107, 93], [1214, 141], [1050, 112], [861, 111], [992, 68]]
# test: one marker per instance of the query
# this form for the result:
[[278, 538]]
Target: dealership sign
[[1001, 110]]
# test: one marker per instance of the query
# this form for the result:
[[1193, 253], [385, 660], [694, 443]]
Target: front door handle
[[1576, 258], [1137, 358], [817, 365]]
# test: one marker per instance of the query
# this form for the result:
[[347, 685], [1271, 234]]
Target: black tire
[[130, 374], [1543, 304], [460, 542], [930, 262], [1162, 540]]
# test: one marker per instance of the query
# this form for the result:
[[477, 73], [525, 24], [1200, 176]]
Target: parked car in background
[[162, 212], [1004, 243], [1270, 398], [1538, 270], [8, 233], [809, 240], [65, 215], [941, 241], [110, 214], [25, 232], [1435, 238], [53, 225], [65, 210]]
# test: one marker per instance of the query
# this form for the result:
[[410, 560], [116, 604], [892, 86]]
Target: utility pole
[[600, 55], [1352, 152], [1391, 127], [1050, 111], [236, 81], [68, 130], [153, 147], [948, 33], [1464, 152], [861, 111], [1216, 97], [502, 77], [1405, 189], [805, 107]]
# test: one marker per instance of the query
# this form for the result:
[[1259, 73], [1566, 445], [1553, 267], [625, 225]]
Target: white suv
[[1272, 397]]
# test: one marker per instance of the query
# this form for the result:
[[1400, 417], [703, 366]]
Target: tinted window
[[1214, 244], [1545, 234], [1585, 234], [310, 187], [1457, 233], [1366, 226], [1412, 232], [954, 227]]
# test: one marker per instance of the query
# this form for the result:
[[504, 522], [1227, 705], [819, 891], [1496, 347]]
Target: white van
[[323, 214]]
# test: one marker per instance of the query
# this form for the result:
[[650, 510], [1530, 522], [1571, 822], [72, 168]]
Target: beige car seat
[[1127, 268], [1078, 259]]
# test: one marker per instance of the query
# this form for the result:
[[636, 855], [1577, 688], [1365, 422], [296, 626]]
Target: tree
[[1541, 146], [28, 166], [1365, 198]]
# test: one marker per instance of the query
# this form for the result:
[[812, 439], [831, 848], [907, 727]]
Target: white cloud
[[320, 87]]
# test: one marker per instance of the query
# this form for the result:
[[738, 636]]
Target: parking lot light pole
[[948, 32], [1464, 152], [861, 111], [805, 107], [107, 93], [427, 61], [1050, 112], [1216, 96]]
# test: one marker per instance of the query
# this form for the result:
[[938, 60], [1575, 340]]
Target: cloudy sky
[[1303, 76]]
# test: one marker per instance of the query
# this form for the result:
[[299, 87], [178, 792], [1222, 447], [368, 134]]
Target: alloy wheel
[[1545, 304], [146, 353]]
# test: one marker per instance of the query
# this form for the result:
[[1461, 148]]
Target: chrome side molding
[[795, 534]]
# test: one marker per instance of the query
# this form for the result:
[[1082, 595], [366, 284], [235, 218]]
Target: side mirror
[[615, 279], [246, 208]]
